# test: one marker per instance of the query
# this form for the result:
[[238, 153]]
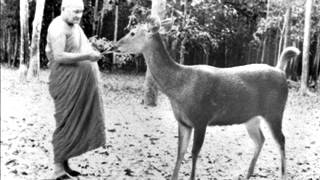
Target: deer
[[203, 95]]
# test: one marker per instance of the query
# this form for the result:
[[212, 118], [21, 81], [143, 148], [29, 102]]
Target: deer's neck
[[164, 70]]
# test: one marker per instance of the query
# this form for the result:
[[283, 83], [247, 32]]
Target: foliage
[[276, 18], [9, 15], [100, 44], [103, 45]]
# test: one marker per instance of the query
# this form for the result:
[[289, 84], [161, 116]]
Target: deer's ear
[[166, 25], [153, 24]]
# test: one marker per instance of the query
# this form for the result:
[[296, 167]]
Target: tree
[[306, 46], [24, 38], [34, 65], [116, 22], [150, 89], [95, 17], [185, 38], [9, 31], [286, 27]]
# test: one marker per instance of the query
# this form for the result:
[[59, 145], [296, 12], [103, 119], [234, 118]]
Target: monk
[[73, 85]]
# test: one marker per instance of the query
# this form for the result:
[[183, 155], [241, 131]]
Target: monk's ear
[[153, 24]]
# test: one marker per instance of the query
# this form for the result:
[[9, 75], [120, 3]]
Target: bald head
[[72, 3], [72, 11]]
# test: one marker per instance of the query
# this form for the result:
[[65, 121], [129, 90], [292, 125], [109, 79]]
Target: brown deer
[[202, 95]]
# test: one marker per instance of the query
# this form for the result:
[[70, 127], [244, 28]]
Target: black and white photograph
[[160, 89]]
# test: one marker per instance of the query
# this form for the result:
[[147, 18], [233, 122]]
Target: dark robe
[[78, 103]]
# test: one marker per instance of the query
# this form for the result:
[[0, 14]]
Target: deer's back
[[222, 96]]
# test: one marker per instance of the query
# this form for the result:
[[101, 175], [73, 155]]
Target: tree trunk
[[316, 61], [1, 45], [287, 27], [34, 66], [24, 38], [106, 6], [183, 49], [158, 8], [16, 49], [264, 46], [95, 17], [116, 21], [276, 48], [306, 46], [8, 49], [2, 33], [184, 41]]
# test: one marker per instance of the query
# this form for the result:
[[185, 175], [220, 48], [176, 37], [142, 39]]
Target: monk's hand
[[94, 56]]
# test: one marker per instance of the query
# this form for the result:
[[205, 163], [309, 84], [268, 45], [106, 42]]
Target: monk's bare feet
[[59, 172], [71, 172]]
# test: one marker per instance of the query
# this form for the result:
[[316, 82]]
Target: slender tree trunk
[[183, 49], [316, 61], [116, 21], [287, 26], [95, 17], [264, 46], [24, 38], [1, 44], [9, 46], [106, 6], [16, 49], [285, 30], [2, 3], [158, 8], [306, 46], [34, 66], [275, 59], [184, 41], [8, 49]]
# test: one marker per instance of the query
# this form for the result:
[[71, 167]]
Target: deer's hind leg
[[255, 133], [275, 124]]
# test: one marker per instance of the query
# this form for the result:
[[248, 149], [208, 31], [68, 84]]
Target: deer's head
[[138, 38]]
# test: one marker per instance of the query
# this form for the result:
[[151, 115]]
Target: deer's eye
[[132, 34]]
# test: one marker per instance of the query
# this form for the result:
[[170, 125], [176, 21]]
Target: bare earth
[[142, 141]]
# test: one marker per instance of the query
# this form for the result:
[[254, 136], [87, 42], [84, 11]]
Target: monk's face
[[72, 14]]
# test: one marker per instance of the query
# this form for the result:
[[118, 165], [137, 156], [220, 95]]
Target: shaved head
[[72, 3], [72, 11]]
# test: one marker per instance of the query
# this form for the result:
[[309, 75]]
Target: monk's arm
[[58, 43]]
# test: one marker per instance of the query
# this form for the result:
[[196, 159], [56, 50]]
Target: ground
[[142, 141]]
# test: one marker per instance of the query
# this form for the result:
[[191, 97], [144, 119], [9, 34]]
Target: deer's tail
[[286, 55]]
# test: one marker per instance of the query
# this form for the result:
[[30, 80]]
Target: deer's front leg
[[183, 141], [198, 138]]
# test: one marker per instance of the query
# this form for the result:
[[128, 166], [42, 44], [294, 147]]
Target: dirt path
[[142, 141]]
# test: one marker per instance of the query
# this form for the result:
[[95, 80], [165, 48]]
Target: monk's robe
[[78, 103]]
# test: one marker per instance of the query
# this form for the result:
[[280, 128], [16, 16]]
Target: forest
[[219, 33], [141, 129]]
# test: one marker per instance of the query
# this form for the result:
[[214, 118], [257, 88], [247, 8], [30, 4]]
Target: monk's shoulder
[[57, 27]]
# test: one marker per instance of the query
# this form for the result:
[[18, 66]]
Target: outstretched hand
[[95, 56]]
